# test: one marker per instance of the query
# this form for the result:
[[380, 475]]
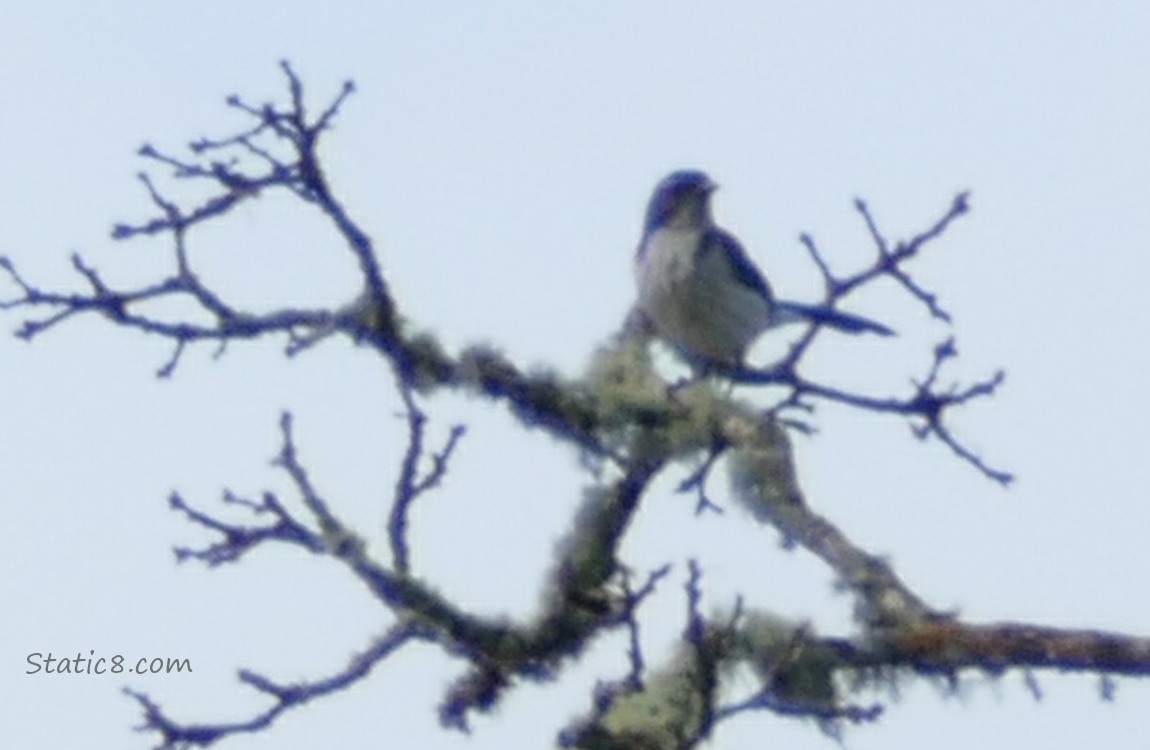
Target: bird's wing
[[716, 240]]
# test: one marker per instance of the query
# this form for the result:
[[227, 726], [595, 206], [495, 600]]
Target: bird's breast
[[694, 299]]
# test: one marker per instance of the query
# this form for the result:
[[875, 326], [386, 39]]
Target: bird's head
[[682, 200]]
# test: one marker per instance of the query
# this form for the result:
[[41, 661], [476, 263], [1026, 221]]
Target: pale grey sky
[[501, 155]]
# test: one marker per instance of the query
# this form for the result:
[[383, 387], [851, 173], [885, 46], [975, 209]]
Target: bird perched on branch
[[698, 288]]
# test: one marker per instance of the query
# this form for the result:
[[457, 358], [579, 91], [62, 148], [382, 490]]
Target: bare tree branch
[[627, 426]]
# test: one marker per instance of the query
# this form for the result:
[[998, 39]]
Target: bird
[[698, 288]]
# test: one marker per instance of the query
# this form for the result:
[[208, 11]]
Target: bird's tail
[[797, 312]]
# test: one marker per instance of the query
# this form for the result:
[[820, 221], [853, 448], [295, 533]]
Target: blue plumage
[[700, 289]]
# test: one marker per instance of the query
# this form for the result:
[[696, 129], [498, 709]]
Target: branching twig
[[697, 480], [177, 736], [927, 403], [409, 485]]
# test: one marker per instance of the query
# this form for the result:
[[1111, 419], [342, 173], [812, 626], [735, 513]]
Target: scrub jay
[[699, 289]]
